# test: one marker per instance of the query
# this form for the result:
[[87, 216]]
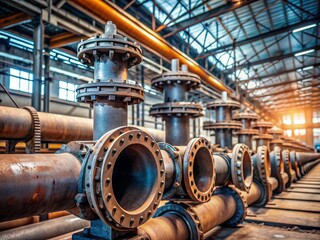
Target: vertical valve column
[[245, 134], [223, 124], [175, 110], [110, 93]]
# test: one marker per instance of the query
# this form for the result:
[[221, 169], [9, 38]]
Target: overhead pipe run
[[141, 33]]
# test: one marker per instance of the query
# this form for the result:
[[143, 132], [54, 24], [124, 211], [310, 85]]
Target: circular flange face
[[210, 125], [263, 137], [287, 165], [176, 159], [96, 46], [262, 124], [199, 173], [245, 115], [125, 202], [263, 163], [275, 131], [247, 132], [241, 205], [182, 78], [111, 91], [277, 167], [179, 109], [182, 210], [241, 167], [221, 103]]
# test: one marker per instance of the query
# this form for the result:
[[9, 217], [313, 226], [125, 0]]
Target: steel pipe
[[28, 220], [16, 124], [254, 193], [37, 184], [193, 221], [46, 229]]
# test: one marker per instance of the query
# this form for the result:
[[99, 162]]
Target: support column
[[38, 36], [309, 129], [47, 80]]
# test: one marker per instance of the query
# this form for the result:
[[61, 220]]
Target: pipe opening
[[281, 164], [134, 177], [247, 168], [203, 169], [267, 163]]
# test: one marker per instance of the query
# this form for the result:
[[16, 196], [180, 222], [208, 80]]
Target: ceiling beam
[[64, 39], [257, 38], [14, 20], [215, 12], [284, 91], [271, 59], [293, 100], [286, 82], [270, 101], [279, 73]]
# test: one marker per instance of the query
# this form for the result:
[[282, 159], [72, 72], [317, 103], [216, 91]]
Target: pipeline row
[[117, 176]]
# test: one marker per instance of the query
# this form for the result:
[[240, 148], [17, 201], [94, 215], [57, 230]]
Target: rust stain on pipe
[[35, 184], [132, 27], [16, 124]]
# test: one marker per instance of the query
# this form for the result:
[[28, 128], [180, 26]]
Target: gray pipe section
[[223, 173], [46, 229], [177, 130], [16, 124], [108, 116]]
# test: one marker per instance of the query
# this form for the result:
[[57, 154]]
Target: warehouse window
[[299, 132], [286, 119], [67, 91], [298, 118], [316, 117], [288, 132], [22, 81]]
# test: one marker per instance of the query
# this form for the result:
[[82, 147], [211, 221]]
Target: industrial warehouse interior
[[159, 119]]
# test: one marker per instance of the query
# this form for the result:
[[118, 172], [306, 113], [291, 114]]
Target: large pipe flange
[[185, 212], [277, 168], [172, 182], [111, 44], [294, 164], [210, 125], [110, 91], [241, 205], [125, 178], [241, 167], [287, 166], [199, 170], [262, 163], [223, 103], [179, 109], [176, 78]]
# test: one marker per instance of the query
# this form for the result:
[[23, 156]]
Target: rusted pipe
[[16, 124], [37, 184], [193, 221], [28, 220], [46, 229], [273, 182], [254, 193], [166, 227]]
